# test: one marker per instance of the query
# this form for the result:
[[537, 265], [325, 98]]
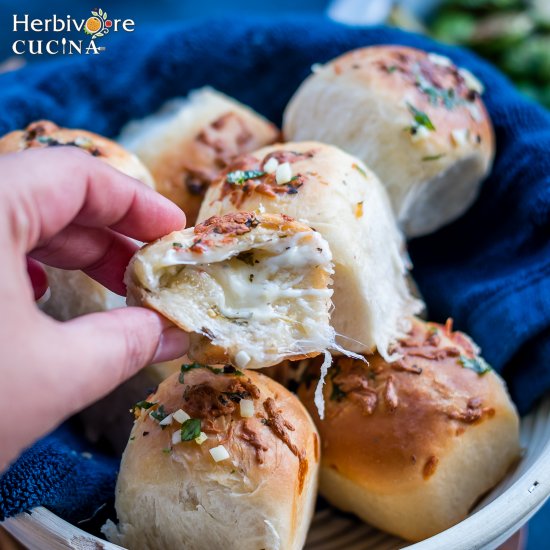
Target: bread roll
[[188, 141], [338, 196], [252, 289], [411, 446], [73, 293], [44, 133], [260, 495], [414, 118]]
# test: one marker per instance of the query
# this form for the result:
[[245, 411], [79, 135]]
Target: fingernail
[[173, 343]]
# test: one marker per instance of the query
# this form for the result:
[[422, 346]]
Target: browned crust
[[44, 133], [439, 91], [202, 350], [212, 394], [185, 178], [264, 184], [395, 421]]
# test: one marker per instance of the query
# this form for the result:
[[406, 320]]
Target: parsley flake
[[159, 414], [238, 177], [477, 364], [420, 117], [227, 369], [190, 429], [355, 166], [433, 157]]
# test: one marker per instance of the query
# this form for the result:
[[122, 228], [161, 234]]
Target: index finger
[[64, 185]]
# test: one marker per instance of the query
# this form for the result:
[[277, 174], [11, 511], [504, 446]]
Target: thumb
[[109, 347]]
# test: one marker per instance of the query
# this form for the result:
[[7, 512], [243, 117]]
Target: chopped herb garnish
[[391, 68], [159, 414], [355, 166], [190, 429], [167, 451], [447, 96], [132, 438], [144, 405], [228, 369], [177, 246], [240, 176], [477, 364], [420, 117], [187, 368], [433, 157]]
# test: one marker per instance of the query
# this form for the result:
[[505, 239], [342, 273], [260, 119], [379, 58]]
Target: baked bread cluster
[[217, 458], [296, 264], [188, 142], [413, 117], [410, 446], [252, 289]]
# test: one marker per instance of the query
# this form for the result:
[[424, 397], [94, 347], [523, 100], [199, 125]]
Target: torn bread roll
[[251, 289], [189, 140], [217, 458], [339, 197], [73, 293], [411, 446], [416, 119]]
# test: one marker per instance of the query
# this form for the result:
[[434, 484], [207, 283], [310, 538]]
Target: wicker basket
[[494, 520]]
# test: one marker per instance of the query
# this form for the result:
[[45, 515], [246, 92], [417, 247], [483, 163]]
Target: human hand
[[66, 209]]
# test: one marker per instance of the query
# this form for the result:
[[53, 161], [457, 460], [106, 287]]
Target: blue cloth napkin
[[490, 270]]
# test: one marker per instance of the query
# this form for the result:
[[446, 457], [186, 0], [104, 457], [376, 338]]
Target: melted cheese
[[261, 284]]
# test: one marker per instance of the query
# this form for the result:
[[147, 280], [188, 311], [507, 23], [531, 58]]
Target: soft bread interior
[[260, 299]]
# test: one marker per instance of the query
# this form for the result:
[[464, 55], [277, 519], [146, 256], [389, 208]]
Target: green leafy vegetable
[[190, 429], [355, 166], [240, 176], [433, 157], [477, 364], [186, 368], [177, 246], [421, 118], [159, 414], [228, 369]]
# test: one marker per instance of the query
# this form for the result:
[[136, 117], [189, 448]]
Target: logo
[[96, 26]]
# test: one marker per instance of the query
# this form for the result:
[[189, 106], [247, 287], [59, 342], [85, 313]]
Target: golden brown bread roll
[[335, 194], [73, 293], [250, 288], [412, 117], [44, 133], [410, 446], [260, 494], [188, 141]]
